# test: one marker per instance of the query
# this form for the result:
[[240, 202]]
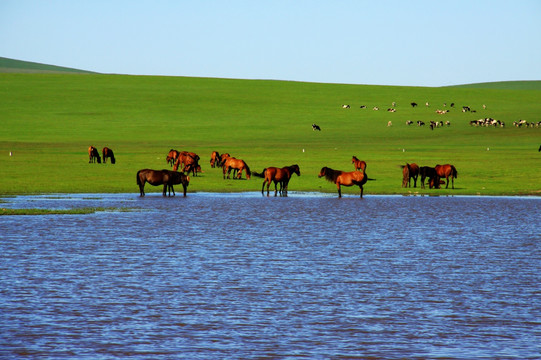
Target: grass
[[49, 120], [77, 211]]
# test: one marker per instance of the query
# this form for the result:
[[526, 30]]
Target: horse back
[[413, 169]]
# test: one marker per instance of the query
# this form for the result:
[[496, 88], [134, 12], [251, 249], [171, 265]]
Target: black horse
[[431, 174]]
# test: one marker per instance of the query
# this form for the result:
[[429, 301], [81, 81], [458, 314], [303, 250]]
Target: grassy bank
[[49, 120]]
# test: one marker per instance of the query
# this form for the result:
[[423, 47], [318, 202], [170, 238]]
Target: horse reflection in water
[[278, 176], [344, 178], [167, 178]]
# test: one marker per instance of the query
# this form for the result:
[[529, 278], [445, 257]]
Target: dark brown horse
[[429, 173], [446, 171], [278, 176], [232, 163], [359, 164], [167, 178], [93, 155], [344, 178], [108, 153], [215, 159], [412, 173]]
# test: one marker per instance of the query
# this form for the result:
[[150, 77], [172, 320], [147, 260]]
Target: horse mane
[[247, 168], [331, 174]]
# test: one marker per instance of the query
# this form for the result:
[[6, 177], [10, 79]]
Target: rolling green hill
[[18, 66], [50, 119], [505, 85]]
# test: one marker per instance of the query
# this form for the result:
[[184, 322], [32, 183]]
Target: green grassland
[[49, 120]]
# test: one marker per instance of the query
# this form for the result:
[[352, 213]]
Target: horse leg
[[185, 188], [263, 187], [339, 190], [415, 181], [142, 188], [447, 180], [362, 190], [164, 192]]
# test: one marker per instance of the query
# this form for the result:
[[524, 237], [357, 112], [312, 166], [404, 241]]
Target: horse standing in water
[[359, 164], [278, 175], [232, 163], [410, 171], [446, 171], [108, 153], [93, 155], [344, 178], [167, 178]]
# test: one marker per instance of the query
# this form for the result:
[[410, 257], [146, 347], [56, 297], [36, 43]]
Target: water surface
[[215, 276]]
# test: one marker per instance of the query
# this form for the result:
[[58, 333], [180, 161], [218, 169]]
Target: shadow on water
[[243, 276]]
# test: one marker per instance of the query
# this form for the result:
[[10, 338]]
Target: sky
[[410, 43]]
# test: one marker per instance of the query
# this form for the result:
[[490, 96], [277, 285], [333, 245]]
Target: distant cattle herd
[[483, 122]]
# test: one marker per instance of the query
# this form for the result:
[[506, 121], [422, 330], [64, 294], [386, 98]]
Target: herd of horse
[[184, 163], [434, 175]]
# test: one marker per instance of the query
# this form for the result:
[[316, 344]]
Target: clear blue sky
[[417, 43]]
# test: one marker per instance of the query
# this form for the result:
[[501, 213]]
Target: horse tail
[[261, 174], [248, 172], [455, 173], [138, 179]]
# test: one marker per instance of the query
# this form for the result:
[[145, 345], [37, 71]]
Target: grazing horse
[[172, 157], [167, 178], [277, 175], [108, 153], [93, 155], [189, 162], [412, 172], [344, 178], [431, 174], [446, 171], [359, 164], [232, 163], [215, 159]]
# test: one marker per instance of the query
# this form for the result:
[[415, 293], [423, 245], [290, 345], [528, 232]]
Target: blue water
[[214, 276]]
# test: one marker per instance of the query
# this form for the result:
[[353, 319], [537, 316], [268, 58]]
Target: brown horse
[[359, 164], [172, 156], [278, 175], [167, 178], [215, 159], [93, 155], [108, 153], [446, 171], [344, 178], [189, 162], [412, 173], [232, 163]]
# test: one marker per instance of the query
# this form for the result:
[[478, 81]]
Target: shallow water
[[215, 276]]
